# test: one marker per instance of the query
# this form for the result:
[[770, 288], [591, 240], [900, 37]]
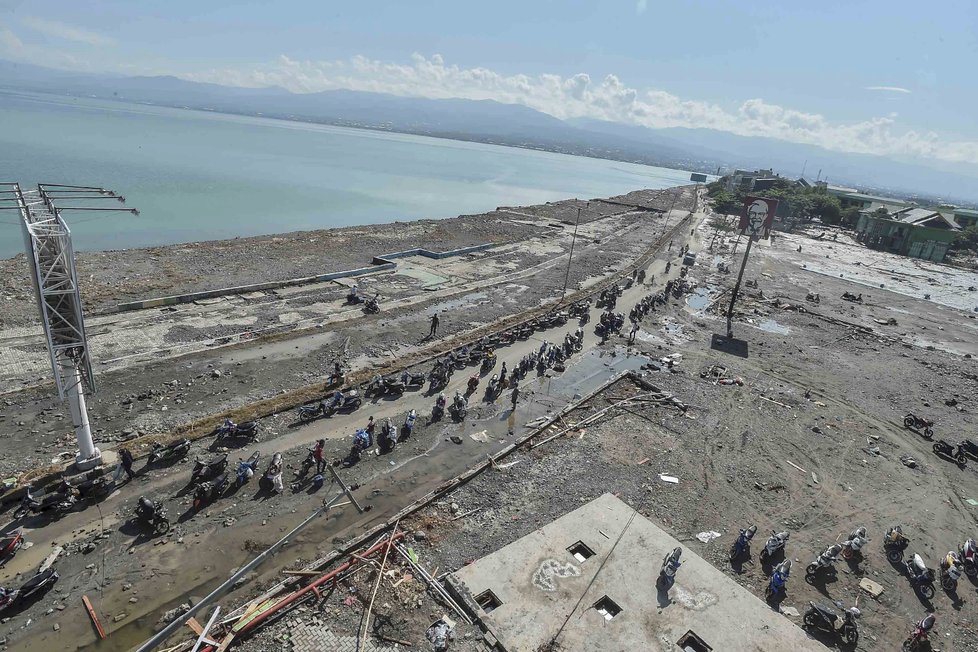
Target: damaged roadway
[[736, 452]]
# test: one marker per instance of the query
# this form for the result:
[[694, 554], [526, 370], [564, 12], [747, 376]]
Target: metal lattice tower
[[47, 239]]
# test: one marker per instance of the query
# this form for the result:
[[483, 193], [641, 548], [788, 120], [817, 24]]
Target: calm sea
[[196, 175]]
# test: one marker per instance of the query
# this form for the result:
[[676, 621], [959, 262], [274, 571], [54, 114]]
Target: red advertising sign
[[758, 216]]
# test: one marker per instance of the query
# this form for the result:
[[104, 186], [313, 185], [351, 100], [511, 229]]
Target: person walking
[[633, 333], [317, 454], [434, 325], [516, 394], [126, 456]]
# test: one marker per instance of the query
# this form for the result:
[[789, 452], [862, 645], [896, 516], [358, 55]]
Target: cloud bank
[[65, 31], [605, 99]]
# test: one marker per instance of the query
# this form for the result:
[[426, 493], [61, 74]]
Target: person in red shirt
[[317, 454]]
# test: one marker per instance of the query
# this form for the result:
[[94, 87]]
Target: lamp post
[[571, 256]]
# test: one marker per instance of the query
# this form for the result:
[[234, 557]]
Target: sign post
[[755, 220]]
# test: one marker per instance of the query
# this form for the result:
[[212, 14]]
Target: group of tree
[[794, 200]]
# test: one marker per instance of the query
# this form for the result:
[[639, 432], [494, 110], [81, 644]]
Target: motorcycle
[[824, 563], [742, 544], [372, 305], [913, 422], [10, 544], [59, 503], [779, 580], [206, 492], [472, 385], [951, 571], [174, 451], [92, 489], [492, 387], [152, 514], [851, 546], [460, 406], [412, 380], [408, 428], [438, 411], [921, 577], [388, 437], [343, 401], [246, 468], [945, 449], [210, 468], [271, 480], [895, 543], [379, 386], [247, 429], [969, 557], [34, 586], [849, 296], [488, 362], [775, 544], [826, 620], [918, 636], [310, 412], [670, 565]]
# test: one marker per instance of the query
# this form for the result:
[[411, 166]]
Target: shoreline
[[114, 276]]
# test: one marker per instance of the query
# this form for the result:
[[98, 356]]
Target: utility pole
[[736, 289], [52, 259], [571, 256]]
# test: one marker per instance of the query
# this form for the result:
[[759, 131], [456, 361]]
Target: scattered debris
[[668, 478], [796, 466], [706, 537], [871, 587]]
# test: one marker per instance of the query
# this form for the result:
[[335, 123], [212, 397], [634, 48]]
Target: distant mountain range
[[509, 124]]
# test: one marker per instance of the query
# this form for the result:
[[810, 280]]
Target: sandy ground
[[204, 547]]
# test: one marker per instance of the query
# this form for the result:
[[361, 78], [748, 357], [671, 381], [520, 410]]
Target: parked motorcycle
[[894, 543], [945, 449], [779, 580], [775, 544], [488, 362], [209, 468], [670, 565], [246, 468], [851, 546], [176, 450], [969, 557], [343, 402], [438, 411], [211, 490], [90, 489], [372, 305], [460, 406], [10, 544], [56, 503], [311, 411], [388, 437], [152, 514], [951, 571], [412, 380], [492, 387], [921, 424], [918, 636], [921, 577], [31, 588], [824, 563], [472, 385], [271, 480], [247, 429], [408, 429], [742, 544], [827, 620]]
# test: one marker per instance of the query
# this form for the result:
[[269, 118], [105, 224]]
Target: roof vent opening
[[690, 642], [488, 601], [607, 608], [581, 552]]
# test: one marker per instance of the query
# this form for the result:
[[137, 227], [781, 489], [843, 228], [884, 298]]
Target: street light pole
[[736, 289]]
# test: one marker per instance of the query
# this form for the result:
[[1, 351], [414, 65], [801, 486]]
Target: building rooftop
[[918, 216], [873, 198], [589, 579]]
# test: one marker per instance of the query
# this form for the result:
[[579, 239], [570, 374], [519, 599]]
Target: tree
[[727, 203], [850, 217], [827, 208]]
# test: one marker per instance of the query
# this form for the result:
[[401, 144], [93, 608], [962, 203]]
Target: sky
[[895, 77]]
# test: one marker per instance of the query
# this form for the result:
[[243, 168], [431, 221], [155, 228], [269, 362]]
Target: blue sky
[[895, 78]]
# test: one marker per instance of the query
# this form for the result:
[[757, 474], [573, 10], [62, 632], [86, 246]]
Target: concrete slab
[[545, 585]]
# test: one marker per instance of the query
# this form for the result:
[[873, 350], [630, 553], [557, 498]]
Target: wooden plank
[[194, 625], [94, 617]]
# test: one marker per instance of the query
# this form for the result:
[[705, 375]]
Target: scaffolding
[[47, 240]]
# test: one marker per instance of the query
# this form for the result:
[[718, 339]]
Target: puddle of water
[[672, 328], [699, 299], [468, 299], [592, 370], [771, 326]]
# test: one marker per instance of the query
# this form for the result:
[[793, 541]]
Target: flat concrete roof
[[539, 583]]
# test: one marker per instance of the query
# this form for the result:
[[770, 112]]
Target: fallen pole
[[94, 617]]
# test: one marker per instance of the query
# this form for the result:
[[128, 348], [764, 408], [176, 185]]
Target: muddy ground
[[133, 577]]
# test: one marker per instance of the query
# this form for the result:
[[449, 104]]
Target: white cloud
[[608, 99], [13, 48], [641, 6], [889, 89], [65, 31]]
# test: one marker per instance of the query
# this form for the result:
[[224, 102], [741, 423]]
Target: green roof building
[[915, 232]]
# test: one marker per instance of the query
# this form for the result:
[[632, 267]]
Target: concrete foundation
[[589, 579]]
